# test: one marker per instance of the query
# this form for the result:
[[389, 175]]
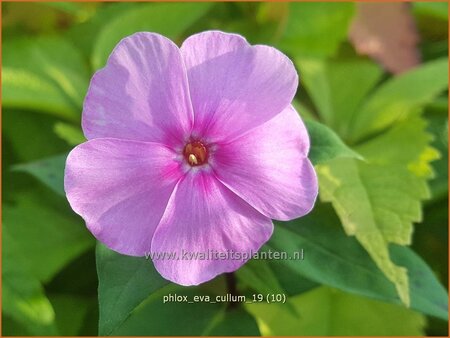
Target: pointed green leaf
[[377, 205], [400, 97], [124, 283], [46, 232], [24, 89], [258, 275], [21, 126], [171, 20], [325, 144], [379, 200], [45, 74], [337, 87], [316, 28], [49, 171], [334, 259]]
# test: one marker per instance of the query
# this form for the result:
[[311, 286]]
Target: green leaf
[[69, 133], [427, 294], [19, 127], [325, 144], [411, 147], [24, 89], [378, 201], [260, 23], [197, 318], [11, 327], [316, 29], [258, 275], [23, 296], [437, 10], [439, 106], [85, 34], [153, 317], [234, 322], [334, 259], [49, 171], [400, 97], [328, 312], [124, 283], [61, 236], [376, 204], [438, 126], [131, 295], [291, 286], [337, 87], [70, 313], [45, 74], [170, 20]]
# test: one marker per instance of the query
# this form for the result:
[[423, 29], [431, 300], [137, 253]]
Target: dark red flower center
[[195, 153]]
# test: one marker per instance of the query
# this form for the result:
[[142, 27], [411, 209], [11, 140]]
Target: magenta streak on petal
[[142, 93], [203, 215], [234, 86], [121, 189], [269, 169]]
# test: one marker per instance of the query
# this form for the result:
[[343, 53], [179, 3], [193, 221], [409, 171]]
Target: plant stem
[[231, 287]]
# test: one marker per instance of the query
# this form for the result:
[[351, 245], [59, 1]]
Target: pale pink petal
[[205, 217], [121, 189], [234, 86], [142, 93], [268, 167]]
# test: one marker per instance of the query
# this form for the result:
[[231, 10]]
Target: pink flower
[[191, 149]]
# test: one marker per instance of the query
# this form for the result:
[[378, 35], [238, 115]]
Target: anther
[[195, 153], [192, 159]]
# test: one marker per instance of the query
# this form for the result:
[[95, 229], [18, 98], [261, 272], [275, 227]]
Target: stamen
[[192, 159], [195, 153]]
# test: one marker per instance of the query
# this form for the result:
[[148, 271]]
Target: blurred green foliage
[[331, 312], [379, 143]]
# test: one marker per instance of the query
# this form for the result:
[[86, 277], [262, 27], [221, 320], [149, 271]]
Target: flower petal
[[121, 189], [142, 93], [268, 167], [204, 217], [234, 86]]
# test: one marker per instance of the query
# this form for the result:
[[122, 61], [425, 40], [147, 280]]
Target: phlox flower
[[190, 149]]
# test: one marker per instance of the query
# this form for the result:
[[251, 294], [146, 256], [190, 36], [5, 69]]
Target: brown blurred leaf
[[387, 33], [35, 17]]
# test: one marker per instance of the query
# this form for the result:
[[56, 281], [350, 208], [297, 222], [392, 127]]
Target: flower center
[[195, 153]]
